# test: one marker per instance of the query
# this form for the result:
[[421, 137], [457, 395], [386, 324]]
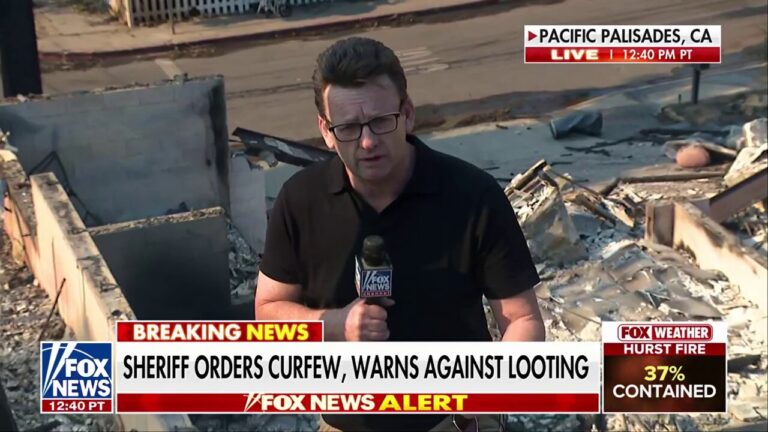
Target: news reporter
[[448, 227]]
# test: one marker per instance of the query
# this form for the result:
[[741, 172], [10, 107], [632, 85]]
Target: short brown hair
[[350, 62]]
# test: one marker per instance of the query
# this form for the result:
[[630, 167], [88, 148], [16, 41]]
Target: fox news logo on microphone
[[373, 282], [75, 377]]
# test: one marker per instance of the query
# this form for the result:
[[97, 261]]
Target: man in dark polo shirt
[[447, 226]]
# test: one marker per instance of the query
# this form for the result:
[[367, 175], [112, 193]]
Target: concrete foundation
[[171, 267], [68, 264], [148, 170], [71, 267], [130, 153]]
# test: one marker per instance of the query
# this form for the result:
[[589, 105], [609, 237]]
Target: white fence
[[138, 12]]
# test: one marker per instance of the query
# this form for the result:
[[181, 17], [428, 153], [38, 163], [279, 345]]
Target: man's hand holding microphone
[[365, 319]]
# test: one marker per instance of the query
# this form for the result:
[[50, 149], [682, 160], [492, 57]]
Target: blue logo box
[[76, 372]]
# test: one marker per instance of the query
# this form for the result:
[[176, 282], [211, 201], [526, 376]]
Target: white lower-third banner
[[382, 377]]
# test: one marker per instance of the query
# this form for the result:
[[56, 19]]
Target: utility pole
[[19, 63]]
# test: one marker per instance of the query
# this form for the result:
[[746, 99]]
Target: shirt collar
[[423, 180]]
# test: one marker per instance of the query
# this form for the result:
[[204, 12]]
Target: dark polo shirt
[[452, 237]]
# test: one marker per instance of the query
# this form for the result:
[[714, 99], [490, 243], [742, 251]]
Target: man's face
[[373, 157]]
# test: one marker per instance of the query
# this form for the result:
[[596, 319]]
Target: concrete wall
[[171, 267], [68, 260], [130, 153], [63, 255], [248, 202]]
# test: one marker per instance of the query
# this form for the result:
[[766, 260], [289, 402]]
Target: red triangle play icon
[[531, 35]]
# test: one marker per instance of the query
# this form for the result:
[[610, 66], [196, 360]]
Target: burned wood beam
[[681, 131], [671, 172], [594, 193], [604, 187], [286, 151], [660, 222], [524, 178], [714, 248], [736, 198]]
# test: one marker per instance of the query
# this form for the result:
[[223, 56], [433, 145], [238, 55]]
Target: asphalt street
[[460, 72]]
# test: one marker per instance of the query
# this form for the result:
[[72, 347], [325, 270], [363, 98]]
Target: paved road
[[462, 71]]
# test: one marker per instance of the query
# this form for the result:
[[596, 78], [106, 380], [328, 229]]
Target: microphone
[[373, 271]]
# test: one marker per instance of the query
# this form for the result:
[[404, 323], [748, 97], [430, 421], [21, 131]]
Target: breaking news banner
[[76, 377], [647, 44], [216, 368], [664, 367]]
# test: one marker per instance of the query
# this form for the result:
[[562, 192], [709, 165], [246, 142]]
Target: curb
[[261, 35]]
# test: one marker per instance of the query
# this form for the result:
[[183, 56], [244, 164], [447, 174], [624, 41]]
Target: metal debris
[[281, 149], [581, 122]]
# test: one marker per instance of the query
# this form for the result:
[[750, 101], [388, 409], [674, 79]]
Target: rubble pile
[[243, 267], [621, 276], [543, 216], [256, 422], [24, 318], [751, 226]]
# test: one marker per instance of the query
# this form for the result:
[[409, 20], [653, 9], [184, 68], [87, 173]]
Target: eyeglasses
[[380, 125]]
